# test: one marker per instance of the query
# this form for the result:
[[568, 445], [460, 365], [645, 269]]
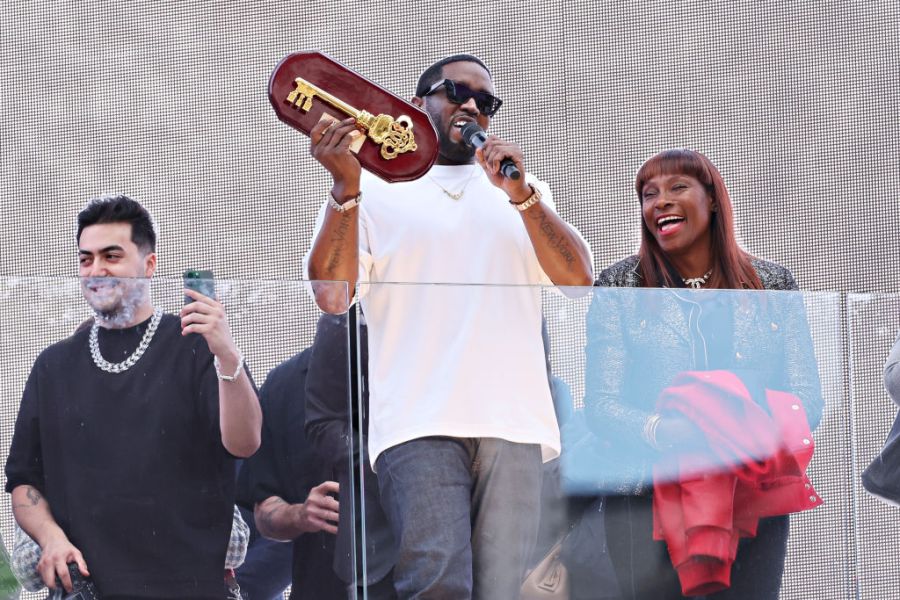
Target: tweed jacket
[[638, 341]]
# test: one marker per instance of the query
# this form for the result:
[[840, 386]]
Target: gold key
[[394, 135]]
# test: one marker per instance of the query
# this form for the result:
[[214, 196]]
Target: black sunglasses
[[487, 104]]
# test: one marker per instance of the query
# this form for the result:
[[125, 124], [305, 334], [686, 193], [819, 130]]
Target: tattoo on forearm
[[34, 497], [555, 240], [336, 242], [267, 515]]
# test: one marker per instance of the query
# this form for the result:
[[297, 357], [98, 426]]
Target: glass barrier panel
[[604, 442], [873, 326], [474, 373], [149, 462]]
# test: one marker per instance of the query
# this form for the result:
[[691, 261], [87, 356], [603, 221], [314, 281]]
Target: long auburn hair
[[731, 267]]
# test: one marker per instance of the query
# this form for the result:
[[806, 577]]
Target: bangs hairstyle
[[731, 266]]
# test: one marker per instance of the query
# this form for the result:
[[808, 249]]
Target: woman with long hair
[[638, 342]]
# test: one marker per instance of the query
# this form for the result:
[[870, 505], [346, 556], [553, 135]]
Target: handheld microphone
[[474, 137]]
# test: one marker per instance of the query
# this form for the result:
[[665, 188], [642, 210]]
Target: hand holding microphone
[[475, 137]]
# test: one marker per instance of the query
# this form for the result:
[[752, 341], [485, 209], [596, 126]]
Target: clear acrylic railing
[[172, 467], [702, 418], [696, 417]]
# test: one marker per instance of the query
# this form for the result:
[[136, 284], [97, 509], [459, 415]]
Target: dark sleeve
[[25, 465], [801, 368], [258, 477], [328, 405], [892, 372], [284, 465]]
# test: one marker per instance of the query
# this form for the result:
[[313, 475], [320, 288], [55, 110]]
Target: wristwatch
[[347, 205], [528, 202]]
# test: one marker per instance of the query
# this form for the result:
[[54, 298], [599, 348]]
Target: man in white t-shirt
[[461, 414]]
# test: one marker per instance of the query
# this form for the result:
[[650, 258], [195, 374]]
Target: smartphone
[[200, 281]]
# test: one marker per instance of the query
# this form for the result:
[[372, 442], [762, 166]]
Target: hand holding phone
[[206, 315], [199, 281]]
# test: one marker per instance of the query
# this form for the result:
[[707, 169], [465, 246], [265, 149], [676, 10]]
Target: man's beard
[[115, 300], [455, 152]]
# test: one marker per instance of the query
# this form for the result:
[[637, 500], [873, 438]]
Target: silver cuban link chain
[[126, 364]]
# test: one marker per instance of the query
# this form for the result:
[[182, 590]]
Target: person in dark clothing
[[331, 420], [122, 455], [287, 486]]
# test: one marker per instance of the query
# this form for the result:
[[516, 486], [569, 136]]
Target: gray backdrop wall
[[797, 103]]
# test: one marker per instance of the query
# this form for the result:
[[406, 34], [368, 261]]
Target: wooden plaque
[[307, 84]]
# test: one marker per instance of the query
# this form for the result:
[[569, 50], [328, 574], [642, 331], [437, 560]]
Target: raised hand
[[207, 317], [491, 155], [330, 145]]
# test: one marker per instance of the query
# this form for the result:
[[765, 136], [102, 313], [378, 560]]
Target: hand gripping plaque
[[400, 142]]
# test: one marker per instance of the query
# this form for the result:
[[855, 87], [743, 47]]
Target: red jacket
[[754, 467]]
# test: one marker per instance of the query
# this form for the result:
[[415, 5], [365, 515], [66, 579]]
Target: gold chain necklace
[[462, 191]]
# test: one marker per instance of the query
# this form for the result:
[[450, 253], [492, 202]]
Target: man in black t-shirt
[[122, 455]]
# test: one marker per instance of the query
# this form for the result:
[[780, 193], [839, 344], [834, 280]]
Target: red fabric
[[754, 467]]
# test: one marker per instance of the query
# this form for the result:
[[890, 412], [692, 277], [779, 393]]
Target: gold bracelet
[[528, 202]]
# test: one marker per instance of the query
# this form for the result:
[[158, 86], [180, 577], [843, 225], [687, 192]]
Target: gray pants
[[466, 512]]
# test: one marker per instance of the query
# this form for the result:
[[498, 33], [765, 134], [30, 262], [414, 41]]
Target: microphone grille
[[469, 130]]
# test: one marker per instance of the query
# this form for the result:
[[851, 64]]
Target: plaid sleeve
[[24, 561], [237, 545]]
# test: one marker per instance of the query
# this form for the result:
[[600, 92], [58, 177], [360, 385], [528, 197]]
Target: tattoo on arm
[[267, 515], [336, 243], [34, 497], [555, 240]]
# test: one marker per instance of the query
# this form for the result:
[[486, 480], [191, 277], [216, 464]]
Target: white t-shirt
[[452, 360]]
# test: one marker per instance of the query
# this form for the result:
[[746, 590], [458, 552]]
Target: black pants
[[645, 571]]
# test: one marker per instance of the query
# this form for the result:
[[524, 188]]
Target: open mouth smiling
[[668, 223], [100, 283]]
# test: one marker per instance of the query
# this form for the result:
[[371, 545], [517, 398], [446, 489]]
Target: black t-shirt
[[132, 464], [285, 466]]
